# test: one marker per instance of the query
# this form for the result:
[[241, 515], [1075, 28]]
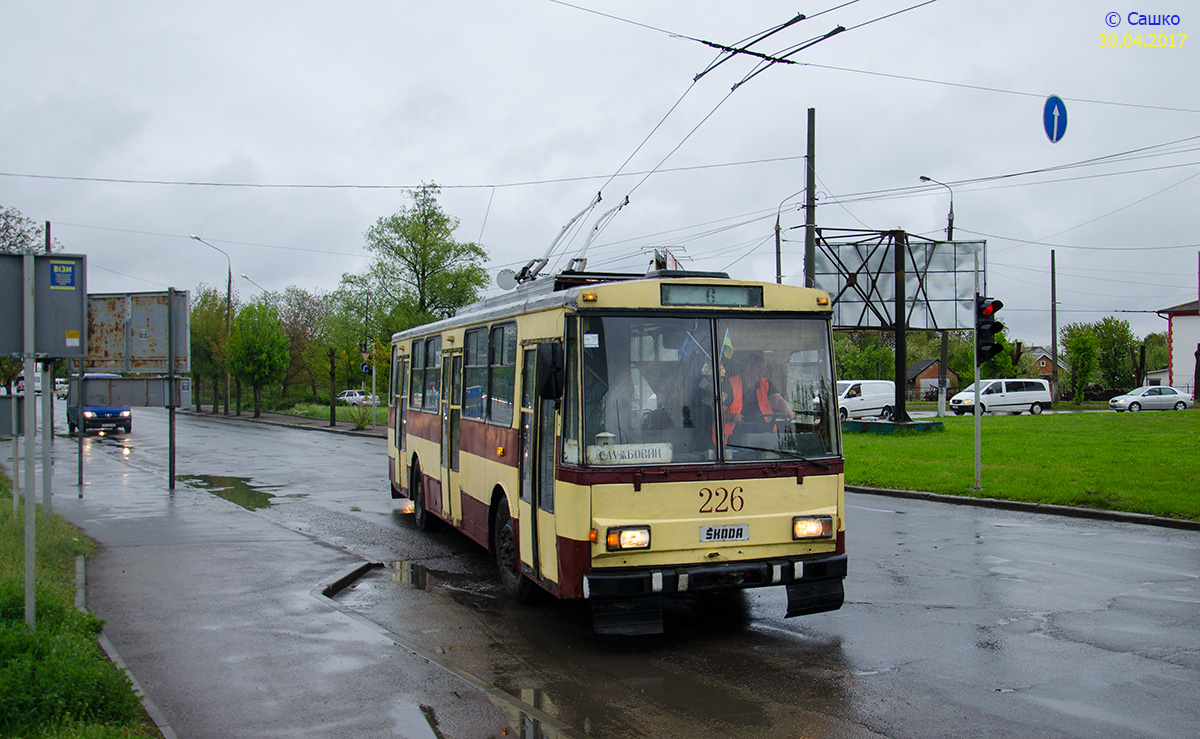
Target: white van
[[1004, 396], [858, 398]]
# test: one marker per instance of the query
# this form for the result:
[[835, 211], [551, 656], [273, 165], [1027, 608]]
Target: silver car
[[1151, 398]]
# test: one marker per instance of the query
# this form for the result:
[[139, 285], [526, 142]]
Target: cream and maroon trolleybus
[[625, 439]]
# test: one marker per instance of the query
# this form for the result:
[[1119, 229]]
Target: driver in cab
[[753, 401]]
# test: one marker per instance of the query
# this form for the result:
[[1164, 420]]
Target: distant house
[[1043, 362], [923, 378], [1183, 344]]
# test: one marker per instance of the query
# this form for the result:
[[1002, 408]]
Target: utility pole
[[1053, 330], [810, 204]]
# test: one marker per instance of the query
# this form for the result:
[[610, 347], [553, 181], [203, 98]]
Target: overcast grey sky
[[523, 110]]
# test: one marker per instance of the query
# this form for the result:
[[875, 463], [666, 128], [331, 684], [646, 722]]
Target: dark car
[[99, 416]]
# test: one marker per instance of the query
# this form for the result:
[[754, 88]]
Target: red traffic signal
[[987, 342]]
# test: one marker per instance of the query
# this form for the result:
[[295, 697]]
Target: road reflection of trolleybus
[[626, 438]]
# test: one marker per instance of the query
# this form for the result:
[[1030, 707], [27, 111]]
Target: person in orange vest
[[753, 402]]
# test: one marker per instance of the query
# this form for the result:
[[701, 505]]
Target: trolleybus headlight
[[812, 527], [628, 537]]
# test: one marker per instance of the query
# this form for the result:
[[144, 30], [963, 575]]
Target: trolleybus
[[624, 439]]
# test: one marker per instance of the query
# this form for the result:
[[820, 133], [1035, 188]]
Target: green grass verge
[[55, 682], [349, 413], [1136, 462]]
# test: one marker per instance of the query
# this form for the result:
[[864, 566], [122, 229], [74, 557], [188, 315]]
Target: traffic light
[[987, 343]]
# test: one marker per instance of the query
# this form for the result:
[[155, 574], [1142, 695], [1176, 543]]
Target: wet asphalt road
[[959, 621]]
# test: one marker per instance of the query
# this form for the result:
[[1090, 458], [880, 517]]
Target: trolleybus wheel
[[424, 520], [518, 587]]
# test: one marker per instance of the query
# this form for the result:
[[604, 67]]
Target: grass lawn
[[1137, 462], [349, 413], [55, 683]]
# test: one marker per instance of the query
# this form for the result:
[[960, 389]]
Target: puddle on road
[[462, 587], [234, 489]]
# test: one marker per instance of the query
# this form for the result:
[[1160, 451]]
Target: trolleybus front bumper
[[626, 600]]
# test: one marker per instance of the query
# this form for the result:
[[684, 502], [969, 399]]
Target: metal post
[[228, 324], [171, 388], [1053, 330], [47, 436], [943, 373], [16, 454], [900, 414], [30, 429], [79, 418], [978, 393]]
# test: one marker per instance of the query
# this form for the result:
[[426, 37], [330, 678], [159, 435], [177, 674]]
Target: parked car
[[358, 397], [1004, 396], [98, 416], [61, 385], [1151, 398], [858, 398]]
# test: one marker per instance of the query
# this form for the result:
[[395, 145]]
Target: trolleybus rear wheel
[[424, 520]]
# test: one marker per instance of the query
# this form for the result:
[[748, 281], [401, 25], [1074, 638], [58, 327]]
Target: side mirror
[[551, 370]]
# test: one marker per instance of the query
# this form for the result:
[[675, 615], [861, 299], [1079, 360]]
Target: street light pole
[[942, 375], [950, 217], [228, 316]]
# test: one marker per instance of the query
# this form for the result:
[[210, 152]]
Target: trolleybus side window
[[417, 380], [475, 372], [502, 382], [433, 375]]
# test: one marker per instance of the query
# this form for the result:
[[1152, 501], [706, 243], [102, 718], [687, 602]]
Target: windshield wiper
[[787, 452]]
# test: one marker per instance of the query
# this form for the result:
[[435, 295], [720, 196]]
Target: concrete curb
[[380, 431], [152, 710], [1042, 508]]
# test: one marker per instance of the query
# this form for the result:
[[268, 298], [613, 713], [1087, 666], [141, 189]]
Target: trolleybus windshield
[[699, 390]]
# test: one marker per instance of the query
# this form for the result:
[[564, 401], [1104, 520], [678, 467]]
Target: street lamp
[[949, 218], [228, 316], [252, 282]]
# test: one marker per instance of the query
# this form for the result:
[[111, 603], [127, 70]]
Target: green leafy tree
[[418, 263], [1081, 356], [863, 355], [208, 340], [1114, 340], [258, 348], [304, 315], [1158, 354]]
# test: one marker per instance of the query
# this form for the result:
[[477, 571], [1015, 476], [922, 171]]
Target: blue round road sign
[[366, 368], [1054, 118]]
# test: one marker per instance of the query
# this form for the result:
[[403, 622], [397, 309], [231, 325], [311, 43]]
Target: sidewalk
[[219, 615]]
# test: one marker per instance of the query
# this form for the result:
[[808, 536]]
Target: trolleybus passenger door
[[538, 532], [451, 413]]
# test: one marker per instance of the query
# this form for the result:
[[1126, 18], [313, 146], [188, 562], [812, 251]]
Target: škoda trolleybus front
[[671, 436]]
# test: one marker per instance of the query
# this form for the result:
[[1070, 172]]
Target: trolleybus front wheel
[[518, 587]]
